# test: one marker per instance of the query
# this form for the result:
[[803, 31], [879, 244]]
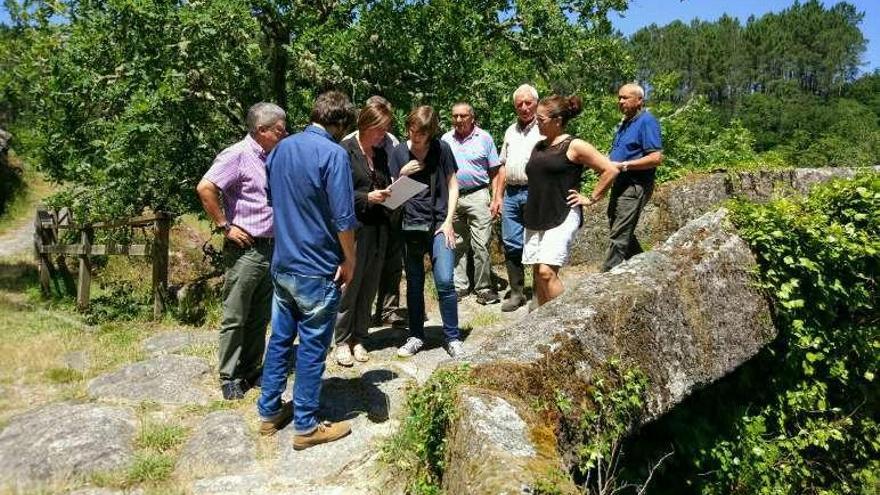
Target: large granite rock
[[63, 440], [492, 428], [166, 379], [221, 445], [676, 203], [685, 314]]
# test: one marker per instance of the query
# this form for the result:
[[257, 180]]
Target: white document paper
[[401, 190]]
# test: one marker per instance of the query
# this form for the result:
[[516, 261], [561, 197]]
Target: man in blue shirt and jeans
[[637, 151], [310, 188]]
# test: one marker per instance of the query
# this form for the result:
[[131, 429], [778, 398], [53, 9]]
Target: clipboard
[[402, 190]]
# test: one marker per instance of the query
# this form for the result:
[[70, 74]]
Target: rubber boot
[[517, 276]]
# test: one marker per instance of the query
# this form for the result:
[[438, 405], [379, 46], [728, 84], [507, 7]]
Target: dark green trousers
[[624, 208], [247, 308]]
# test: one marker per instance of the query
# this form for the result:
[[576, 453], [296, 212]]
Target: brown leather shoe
[[271, 426], [325, 432]]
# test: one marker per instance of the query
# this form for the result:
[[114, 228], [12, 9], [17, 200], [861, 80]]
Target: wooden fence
[[49, 225]]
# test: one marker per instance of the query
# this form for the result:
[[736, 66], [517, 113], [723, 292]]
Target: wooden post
[[160, 263], [42, 259], [85, 269]]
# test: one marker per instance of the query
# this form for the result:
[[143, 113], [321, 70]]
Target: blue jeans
[[443, 263], [512, 230], [305, 306]]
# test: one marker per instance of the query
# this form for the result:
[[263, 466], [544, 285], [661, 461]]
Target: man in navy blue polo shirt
[[637, 151], [312, 196]]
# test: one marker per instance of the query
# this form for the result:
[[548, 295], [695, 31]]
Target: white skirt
[[552, 247]]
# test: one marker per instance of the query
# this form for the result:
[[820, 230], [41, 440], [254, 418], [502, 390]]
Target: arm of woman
[[446, 228], [585, 154]]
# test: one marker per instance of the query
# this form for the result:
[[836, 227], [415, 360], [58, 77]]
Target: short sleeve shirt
[[519, 141], [239, 172], [475, 155], [634, 139]]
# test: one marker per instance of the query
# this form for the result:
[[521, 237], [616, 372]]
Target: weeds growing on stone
[[417, 450]]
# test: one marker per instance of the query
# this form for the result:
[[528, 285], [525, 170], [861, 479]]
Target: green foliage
[[128, 101], [696, 139], [119, 301], [806, 47], [418, 449], [816, 431], [611, 410]]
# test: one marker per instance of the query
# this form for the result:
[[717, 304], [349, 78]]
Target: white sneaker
[[455, 349], [412, 346]]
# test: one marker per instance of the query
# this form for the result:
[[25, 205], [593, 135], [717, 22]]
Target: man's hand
[[378, 196], [495, 208], [344, 273], [237, 235], [448, 233], [412, 167]]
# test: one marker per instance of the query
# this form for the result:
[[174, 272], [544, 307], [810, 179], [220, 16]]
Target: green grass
[[160, 437], [482, 318]]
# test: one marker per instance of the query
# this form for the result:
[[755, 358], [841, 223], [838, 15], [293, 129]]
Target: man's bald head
[[630, 98]]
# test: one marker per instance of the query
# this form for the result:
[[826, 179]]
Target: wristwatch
[[224, 227], [624, 166]]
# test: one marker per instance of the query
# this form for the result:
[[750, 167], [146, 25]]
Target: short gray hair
[[528, 89], [262, 114], [635, 88]]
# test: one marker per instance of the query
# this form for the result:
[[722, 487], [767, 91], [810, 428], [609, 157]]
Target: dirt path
[[18, 240]]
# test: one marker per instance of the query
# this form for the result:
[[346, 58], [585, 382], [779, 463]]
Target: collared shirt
[[635, 138], [312, 194], [240, 173], [519, 141], [475, 155], [389, 142]]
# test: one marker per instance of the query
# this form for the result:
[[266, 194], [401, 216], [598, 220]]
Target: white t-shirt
[[516, 150]]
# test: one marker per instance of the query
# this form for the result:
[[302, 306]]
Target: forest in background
[[126, 102]]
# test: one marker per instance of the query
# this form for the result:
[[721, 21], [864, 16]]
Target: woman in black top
[[370, 177], [553, 210], [427, 226]]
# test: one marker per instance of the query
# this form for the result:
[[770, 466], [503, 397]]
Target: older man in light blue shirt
[[478, 170]]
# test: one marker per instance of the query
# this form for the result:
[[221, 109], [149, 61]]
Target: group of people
[[309, 244]]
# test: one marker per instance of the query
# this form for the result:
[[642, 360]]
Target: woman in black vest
[[553, 211], [370, 177]]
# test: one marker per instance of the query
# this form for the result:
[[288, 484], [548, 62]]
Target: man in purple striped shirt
[[244, 216]]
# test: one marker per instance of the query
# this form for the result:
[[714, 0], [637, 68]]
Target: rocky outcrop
[[166, 379], [685, 314], [221, 445], [676, 203], [64, 440], [492, 428]]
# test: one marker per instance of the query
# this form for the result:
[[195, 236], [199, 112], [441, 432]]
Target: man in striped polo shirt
[[478, 170], [245, 219]]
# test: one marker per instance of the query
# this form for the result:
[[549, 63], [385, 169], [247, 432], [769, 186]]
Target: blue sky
[[644, 12]]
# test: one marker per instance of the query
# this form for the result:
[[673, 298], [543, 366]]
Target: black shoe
[[487, 296], [232, 390], [253, 379], [461, 293]]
